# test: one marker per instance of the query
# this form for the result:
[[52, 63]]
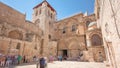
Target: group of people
[[60, 58], [42, 61], [6, 60]]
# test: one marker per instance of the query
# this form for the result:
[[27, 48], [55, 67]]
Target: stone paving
[[70, 64], [67, 64]]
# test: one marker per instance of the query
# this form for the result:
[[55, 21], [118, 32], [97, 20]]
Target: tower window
[[40, 11], [49, 36], [18, 46], [64, 30], [73, 27], [36, 13], [51, 15]]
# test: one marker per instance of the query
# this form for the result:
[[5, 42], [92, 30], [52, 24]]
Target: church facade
[[75, 36]]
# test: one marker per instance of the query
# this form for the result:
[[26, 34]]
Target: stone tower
[[43, 17], [97, 8]]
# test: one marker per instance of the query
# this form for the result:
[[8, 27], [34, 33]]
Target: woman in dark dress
[[42, 62]]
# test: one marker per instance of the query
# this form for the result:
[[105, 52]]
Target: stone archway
[[62, 47], [15, 34], [74, 47], [96, 40], [97, 48]]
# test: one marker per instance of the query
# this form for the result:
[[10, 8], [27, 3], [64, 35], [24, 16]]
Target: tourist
[[24, 59], [8, 60], [34, 58], [37, 62], [60, 58], [3, 61], [16, 59], [13, 59], [65, 57], [19, 59], [42, 62], [51, 58], [45, 62]]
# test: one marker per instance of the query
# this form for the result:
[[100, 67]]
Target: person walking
[[42, 62]]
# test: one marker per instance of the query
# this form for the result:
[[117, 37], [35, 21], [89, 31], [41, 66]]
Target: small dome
[[91, 24]]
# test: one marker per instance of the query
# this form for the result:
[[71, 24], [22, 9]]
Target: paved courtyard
[[67, 64]]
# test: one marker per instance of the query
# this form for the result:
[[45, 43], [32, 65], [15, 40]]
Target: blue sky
[[64, 8]]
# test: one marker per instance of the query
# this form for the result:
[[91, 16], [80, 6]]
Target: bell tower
[[44, 16], [97, 8]]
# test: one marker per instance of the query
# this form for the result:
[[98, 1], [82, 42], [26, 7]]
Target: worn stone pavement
[[67, 64]]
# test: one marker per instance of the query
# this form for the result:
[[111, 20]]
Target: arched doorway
[[62, 48], [97, 47], [74, 49]]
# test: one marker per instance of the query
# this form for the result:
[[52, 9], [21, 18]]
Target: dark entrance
[[64, 52]]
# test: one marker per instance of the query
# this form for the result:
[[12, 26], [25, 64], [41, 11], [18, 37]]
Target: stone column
[[88, 43], [88, 40]]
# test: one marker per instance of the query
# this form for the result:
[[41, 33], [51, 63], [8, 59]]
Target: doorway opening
[[64, 52]]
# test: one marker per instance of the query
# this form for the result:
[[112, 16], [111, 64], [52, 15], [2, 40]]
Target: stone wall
[[15, 18], [18, 36], [108, 21]]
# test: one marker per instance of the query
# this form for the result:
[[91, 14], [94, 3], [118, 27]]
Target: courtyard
[[83, 30], [66, 64]]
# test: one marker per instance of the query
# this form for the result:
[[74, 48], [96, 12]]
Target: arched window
[[35, 47], [37, 22], [64, 30], [51, 15], [96, 40], [15, 35], [40, 11], [18, 46], [36, 13], [73, 27]]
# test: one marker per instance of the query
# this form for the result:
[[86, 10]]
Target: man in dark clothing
[[42, 62]]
